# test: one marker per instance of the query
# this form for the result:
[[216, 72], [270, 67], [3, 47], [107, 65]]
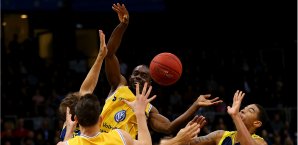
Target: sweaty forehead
[[253, 106], [142, 68]]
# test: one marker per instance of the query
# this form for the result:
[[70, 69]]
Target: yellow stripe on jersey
[[117, 114], [228, 138], [114, 137]]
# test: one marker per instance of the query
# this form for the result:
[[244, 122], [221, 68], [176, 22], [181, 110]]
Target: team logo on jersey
[[120, 116], [114, 99]]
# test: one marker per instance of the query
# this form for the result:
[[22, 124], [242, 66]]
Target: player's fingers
[[127, 102], [152, 98], [68, 115], [214, 99], [228, 107], [242, 96], [235, 96], [196, 130], [144, 89], [148, 92], [200, 121], [203, 124], [217, 102], [115, 8], [137, 89], [193, 120], [193, 128], [207, 95], [102, 36]]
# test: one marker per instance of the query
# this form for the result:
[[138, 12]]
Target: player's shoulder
[[127, 139], [218, 134], [61, 143], [260, 141], [114, 90]]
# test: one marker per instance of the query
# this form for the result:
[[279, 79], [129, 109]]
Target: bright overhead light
[[24, 16]]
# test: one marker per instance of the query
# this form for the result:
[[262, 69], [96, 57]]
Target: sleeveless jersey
[[114, 137], [117, 114], [76, 132], [228, 138]]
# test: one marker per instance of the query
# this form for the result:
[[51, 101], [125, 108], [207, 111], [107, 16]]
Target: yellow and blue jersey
[[117, 114], [114, 137], [76, 132], [228, 138]]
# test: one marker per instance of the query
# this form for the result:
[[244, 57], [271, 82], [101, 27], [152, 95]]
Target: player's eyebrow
[[252, 109]]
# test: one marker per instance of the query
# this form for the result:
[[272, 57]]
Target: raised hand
[[203, 100], [122, 12], [70, 124], [103, 51], [238, 96], [199, 120], [187, 133], [139, 105]]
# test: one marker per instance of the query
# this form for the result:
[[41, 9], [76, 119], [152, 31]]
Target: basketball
[[165, 69]]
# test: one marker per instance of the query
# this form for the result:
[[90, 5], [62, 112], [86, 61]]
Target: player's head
[[70, 101], [253, 116], [87, 110], [140, 74]]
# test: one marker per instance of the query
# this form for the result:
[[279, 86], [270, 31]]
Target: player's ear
[[99, 120], [75, 118]]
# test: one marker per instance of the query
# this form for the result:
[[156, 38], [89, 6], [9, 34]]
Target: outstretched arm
[[160, 123], [243, 133], [189, 132], [209, 139], [112, 66], [139, 107], [91, 79]]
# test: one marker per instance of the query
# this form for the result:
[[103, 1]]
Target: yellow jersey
[[114, 137], [118, 115], [228, 138]]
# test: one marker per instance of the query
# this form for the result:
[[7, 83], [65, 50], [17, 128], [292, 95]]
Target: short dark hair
[[262, 115], [87, 110]]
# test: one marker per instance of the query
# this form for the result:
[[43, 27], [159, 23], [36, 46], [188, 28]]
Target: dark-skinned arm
[[112, 66], [162, 124]]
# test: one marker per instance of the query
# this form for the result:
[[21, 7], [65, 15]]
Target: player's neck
[[90, 131], [237, 136]]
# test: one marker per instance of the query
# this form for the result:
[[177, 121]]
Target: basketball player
[[87, 112], [247, 121], [87, 86], [115, 114]]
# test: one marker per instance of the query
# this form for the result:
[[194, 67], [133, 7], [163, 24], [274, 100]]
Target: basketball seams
[[165, 68], [171, 56], [164, 83]]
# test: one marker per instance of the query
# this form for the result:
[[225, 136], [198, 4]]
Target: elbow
[[169, 130]]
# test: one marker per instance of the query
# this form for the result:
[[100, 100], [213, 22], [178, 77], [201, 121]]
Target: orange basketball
[[165, 69]]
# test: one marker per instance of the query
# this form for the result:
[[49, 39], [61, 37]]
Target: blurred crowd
[[32, 89]]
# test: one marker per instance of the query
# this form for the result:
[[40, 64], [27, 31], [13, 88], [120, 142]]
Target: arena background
[[223, 46]]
